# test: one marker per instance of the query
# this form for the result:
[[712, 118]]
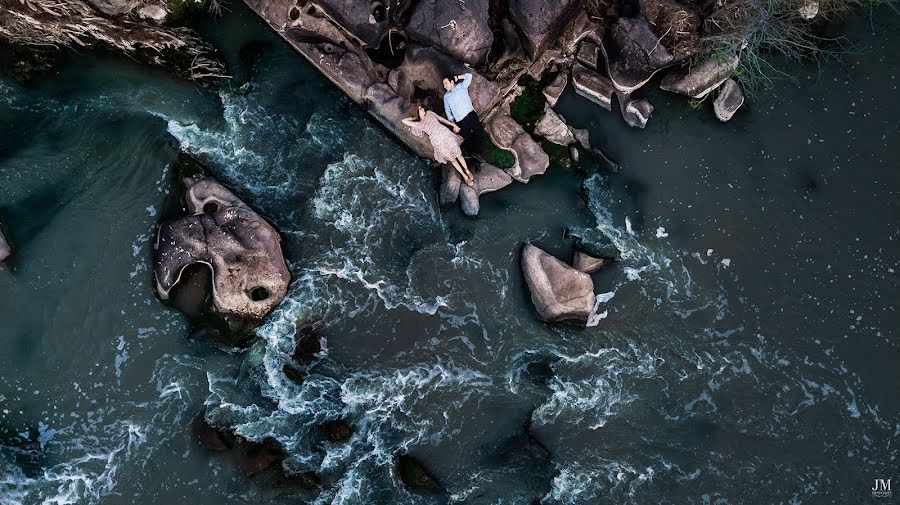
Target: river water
[[747, 351]]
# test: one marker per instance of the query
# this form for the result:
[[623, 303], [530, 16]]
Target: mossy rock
[[498, 157]]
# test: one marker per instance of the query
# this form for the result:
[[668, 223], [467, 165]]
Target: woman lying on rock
[[444, 142]]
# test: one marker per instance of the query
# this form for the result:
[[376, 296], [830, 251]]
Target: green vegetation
[[528, 107], [498, 157]]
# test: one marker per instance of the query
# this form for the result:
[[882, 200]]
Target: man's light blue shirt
[[457, 103]]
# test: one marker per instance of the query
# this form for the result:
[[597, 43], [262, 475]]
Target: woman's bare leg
[[462, 173], [465, 166]]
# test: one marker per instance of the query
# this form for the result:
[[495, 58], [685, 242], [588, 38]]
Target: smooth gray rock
[[450, 184], [156, 13], [508, 134], [5, 250], [637, 112], [555, 89], [593, 86], [588, 54], [468, 200], [558, 291], [583, 137], [243, 251], [490, 178], [633, 54], [729, 100], [540, 21], [460, 29], [588, 264], [554, 128], [697, 81]]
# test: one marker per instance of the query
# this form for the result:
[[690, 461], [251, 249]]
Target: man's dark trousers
[[472, 132]]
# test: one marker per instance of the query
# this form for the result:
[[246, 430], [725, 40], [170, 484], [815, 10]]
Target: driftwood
[[44, 25]]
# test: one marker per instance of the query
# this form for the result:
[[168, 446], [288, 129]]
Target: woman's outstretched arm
[[451, 124]]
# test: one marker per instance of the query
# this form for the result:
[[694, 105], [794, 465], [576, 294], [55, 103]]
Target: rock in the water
[[212, 438], [633, 53], [588, 264], [5, 250], [415, 476], [469, 203], [809, 9], [588, 54], [583, 137], [337, 430], [490, 178], [460, 29], [259, 457], [307, 342], [554, 128], [558, 291], [574, 154], [250, 277], [729, 100], [637, 112], [450, 184], [555, 89], [506, 133], [593, 86], [540, 21], [592, 241], [697, 81]]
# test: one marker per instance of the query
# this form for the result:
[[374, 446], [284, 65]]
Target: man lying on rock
[[459, 110]]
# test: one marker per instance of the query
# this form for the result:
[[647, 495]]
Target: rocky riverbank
[[34, 32]]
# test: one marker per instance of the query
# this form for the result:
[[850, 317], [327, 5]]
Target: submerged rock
[[249, 275], [588, 264], [214, 439], [729, 100], [697, 81], [558, 291], [593, 242], [337, 430], [415, 476], [307, 340], [259, 457]]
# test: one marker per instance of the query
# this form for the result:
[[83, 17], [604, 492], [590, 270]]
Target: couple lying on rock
[[461, 118]]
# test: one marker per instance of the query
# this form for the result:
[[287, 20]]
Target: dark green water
[[748, 353]]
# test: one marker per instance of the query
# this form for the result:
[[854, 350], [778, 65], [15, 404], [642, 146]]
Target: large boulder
[[696, 81], [588, 53], [468, 200], [506, 133], [593, 86], [460, 29], [729, 100], [555, 89], [558, 291], [554, 128], [490, 178], [356, 17], [450, 184], [636, 112], [541, 21], [249, 275], [633, 53]]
